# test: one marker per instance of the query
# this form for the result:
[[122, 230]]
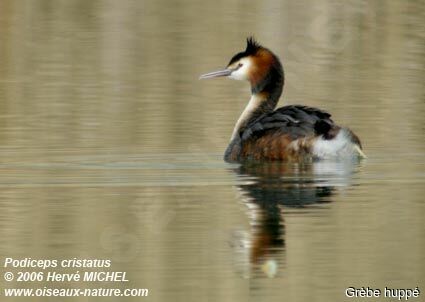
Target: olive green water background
[[111, 148]]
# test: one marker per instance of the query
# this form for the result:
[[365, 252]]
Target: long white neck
[[253, 109]]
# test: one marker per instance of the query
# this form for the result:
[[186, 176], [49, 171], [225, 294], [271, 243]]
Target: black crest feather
[[252, 47]]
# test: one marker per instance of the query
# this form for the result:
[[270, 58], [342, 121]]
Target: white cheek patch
[[242, 73]]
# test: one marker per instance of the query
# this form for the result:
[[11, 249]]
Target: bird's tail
[[359, 151]]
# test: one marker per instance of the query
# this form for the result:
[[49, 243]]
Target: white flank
[[339, 147]]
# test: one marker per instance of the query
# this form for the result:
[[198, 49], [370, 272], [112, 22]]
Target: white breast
[[254, 103]]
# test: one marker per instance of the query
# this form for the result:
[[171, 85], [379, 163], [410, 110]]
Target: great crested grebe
[[290, 133]]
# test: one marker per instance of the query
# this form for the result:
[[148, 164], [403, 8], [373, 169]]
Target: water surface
[[111, 147]]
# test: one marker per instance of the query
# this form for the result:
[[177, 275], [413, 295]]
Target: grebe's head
[[254, 64]]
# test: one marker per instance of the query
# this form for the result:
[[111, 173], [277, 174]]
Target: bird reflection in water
[[271, 189]]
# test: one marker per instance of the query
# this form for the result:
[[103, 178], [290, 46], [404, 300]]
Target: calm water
[[111, 148]]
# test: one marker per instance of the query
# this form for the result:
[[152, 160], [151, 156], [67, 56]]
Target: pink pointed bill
[[215, 74]]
